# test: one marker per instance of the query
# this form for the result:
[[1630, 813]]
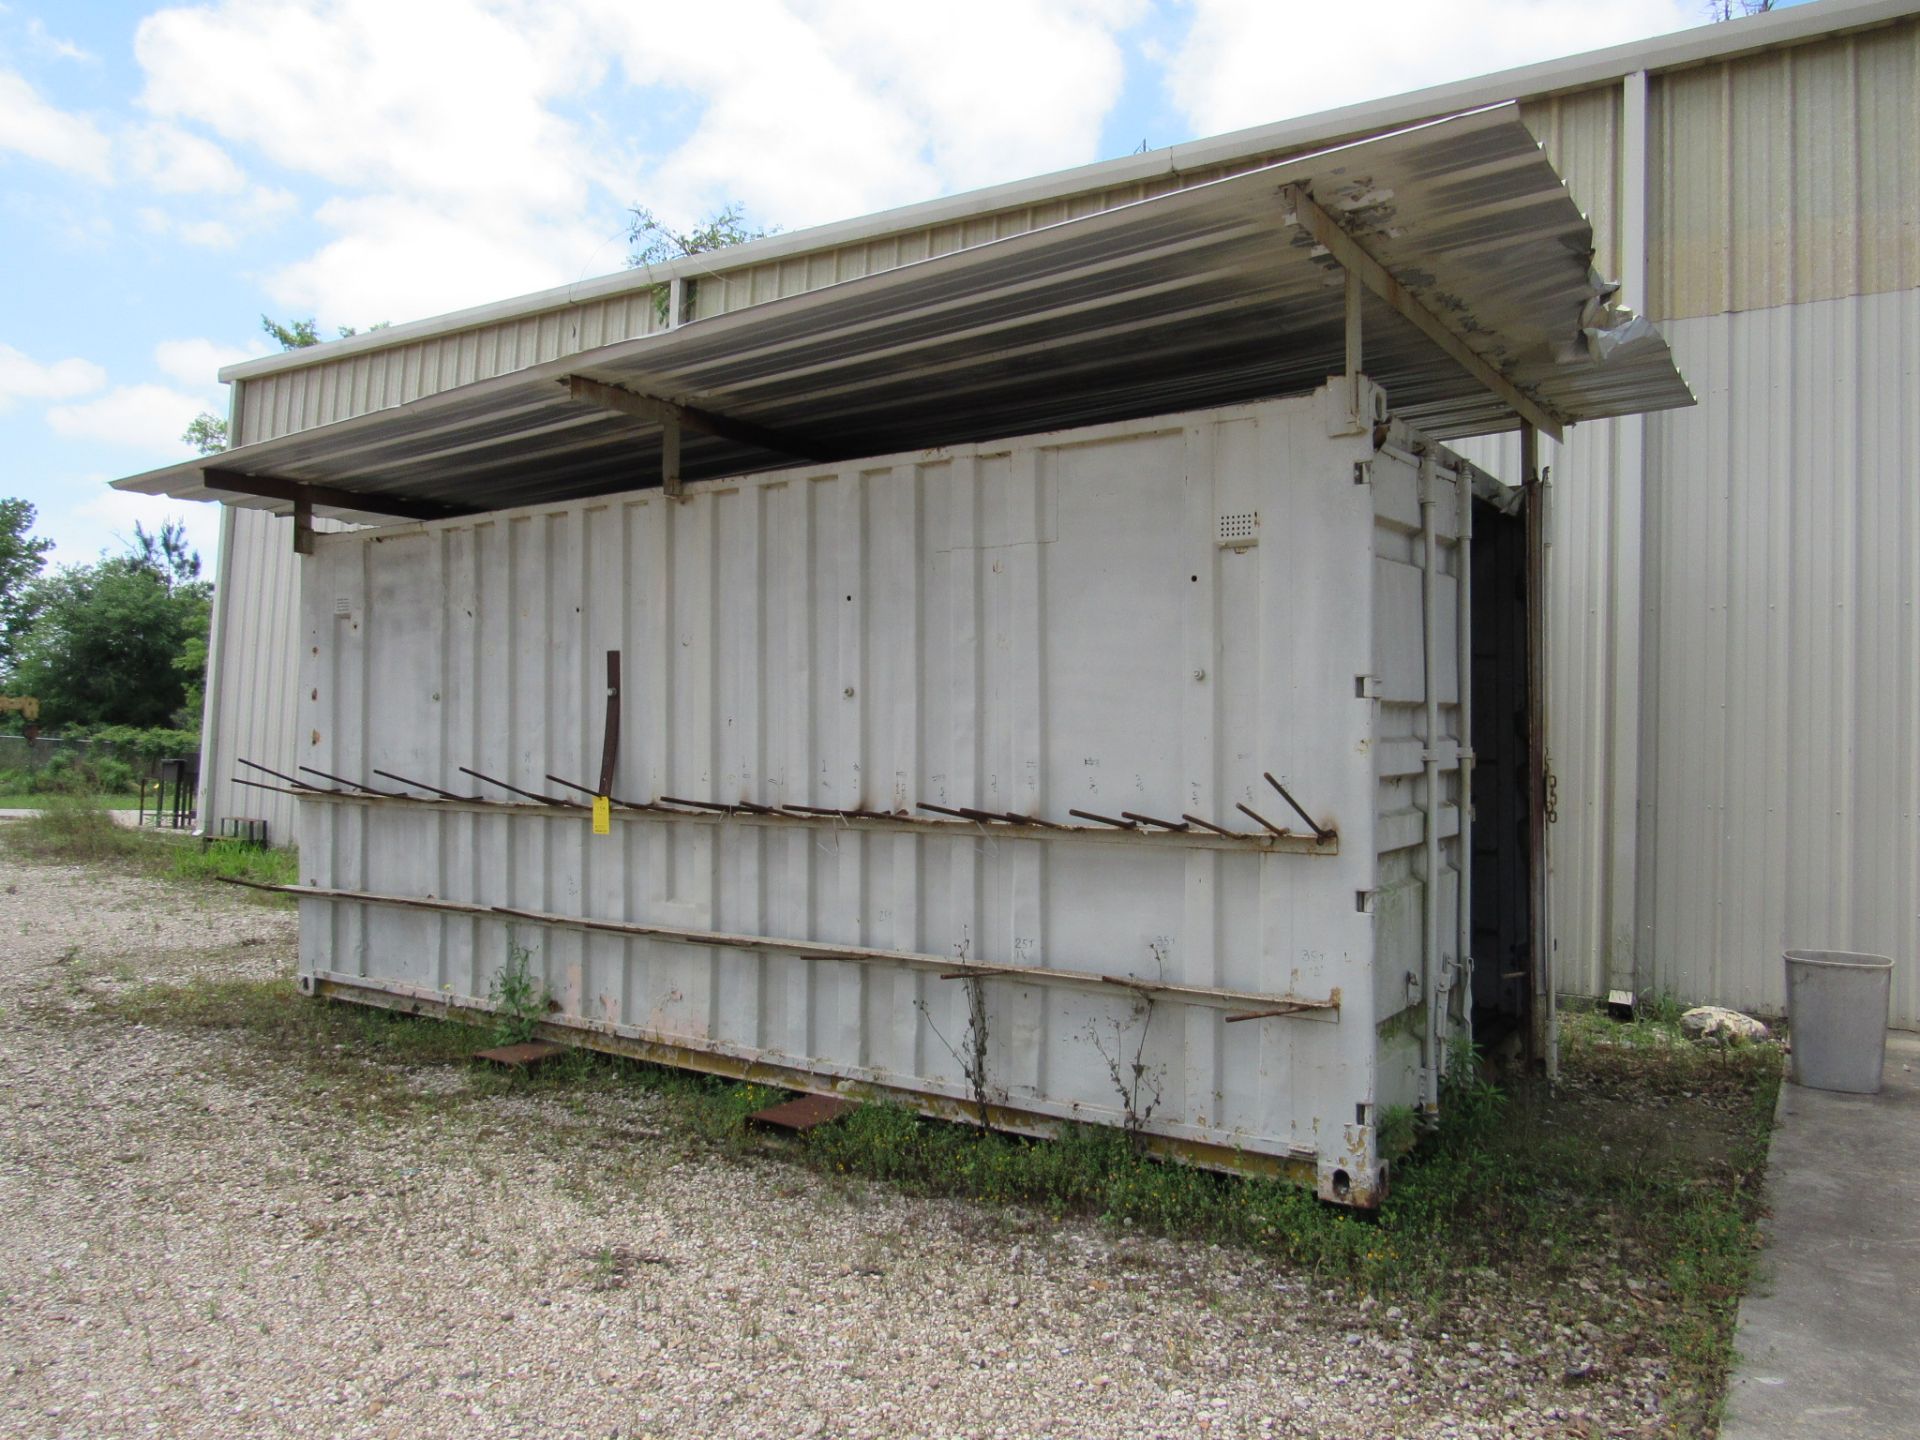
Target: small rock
[[1728, 1027]]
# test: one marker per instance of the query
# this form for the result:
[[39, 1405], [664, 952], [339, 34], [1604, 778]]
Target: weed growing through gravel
[[520, 1002]]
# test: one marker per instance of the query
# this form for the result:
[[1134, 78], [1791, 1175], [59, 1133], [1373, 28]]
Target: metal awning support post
[[1355, 357], [1354, 258], [670, 458], [303, 527]]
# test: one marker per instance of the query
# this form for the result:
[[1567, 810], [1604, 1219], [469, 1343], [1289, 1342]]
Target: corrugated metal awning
[[1211, 295]]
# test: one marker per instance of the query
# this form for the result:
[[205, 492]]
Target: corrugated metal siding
[[1783, 779], [257, 651], [1779, 785], [1788, 176], [291, 400], [1047, 624]]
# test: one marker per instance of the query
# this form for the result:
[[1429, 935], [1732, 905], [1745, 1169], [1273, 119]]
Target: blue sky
[[168, 173]]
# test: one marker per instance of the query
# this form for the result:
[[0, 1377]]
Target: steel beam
[[272, 487], [1356, 260], [669, 413]]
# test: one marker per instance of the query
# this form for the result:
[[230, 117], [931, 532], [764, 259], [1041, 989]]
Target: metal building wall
[[252, 701], [1781, 794]]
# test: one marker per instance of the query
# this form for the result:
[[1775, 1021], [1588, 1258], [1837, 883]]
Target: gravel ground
[[198, 1244]]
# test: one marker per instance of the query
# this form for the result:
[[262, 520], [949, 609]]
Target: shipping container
[[945, 776]]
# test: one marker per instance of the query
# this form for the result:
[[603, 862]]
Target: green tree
[[206, 433], [121, 641], [299, 334], [21, 556], [655, 242]]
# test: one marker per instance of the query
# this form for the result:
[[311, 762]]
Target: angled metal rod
[[352, 784], [1265, 1014], [713, 805], [1152, 820], [1262, 820], [615, 799], [827, 810], [1016, 818], [422, 785], [1216, 829], [610, 748], [281, 790], [515, 789], [265, 770], [937, 809], [1104, 819], [1312, 824]]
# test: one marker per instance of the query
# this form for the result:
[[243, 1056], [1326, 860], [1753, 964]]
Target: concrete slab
[[1829, 1342]]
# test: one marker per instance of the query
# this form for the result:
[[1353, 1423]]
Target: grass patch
[[36, 799], [73, 829], [78, 830], [234, 860]]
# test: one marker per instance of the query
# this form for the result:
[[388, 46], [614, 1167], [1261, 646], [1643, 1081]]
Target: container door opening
[[1502, 907]]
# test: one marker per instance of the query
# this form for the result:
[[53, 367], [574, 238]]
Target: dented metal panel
[[1038, 626]]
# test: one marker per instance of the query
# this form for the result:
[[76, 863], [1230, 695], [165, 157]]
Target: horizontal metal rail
[[1032, 1116], [946, 966], [991, 827]]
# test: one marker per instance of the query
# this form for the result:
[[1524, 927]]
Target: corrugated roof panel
[[1206, 296]]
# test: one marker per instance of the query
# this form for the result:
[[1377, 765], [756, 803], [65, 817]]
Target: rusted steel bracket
[[1354, 258], [272, 487], [674, 417], [610, 745]]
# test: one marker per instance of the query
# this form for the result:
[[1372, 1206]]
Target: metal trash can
[[1837, 1010]]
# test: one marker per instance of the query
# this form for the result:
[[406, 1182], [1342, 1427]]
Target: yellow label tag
[[602, 815]]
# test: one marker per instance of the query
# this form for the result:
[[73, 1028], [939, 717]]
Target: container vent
[[1240, 529]]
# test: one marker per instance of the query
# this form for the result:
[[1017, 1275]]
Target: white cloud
[[397, 258], [1248, 62], [105, 518], [204, 233], [30, 126], [24, 378], [462, 169], [817, 111], [135, 417], [49, 43], [178, 162], [199, 361], [441, 98]]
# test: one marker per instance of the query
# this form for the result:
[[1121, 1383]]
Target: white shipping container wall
[[1143, 617]]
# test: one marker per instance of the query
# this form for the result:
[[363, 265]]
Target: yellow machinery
[[28, 707]]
